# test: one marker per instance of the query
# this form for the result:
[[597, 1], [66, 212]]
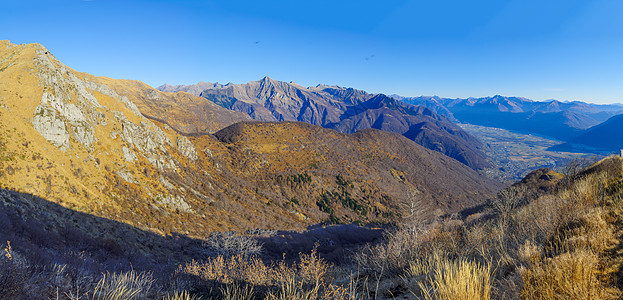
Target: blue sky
[[565, 50]]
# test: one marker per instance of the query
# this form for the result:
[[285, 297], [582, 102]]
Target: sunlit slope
[[93, 144]]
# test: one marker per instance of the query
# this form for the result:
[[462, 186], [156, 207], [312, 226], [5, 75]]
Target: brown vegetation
[[563, 243]]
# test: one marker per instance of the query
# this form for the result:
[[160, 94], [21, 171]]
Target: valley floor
[[513, 155]]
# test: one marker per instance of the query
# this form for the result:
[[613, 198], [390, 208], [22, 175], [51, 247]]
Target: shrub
[[229, 244], [238, 275], [13, 273], [229, 270]]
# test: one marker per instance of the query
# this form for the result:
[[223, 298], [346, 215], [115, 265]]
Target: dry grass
[[459, 280], [237, 291], [13, 273], [575, 228], [237, 275], [571, 275], [183, 295], [589, 190], [123, 286]]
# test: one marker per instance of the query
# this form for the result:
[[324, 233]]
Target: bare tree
[[415, 210], [229, 244]]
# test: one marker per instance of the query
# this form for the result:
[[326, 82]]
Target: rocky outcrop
[[69, 110], [149, 140], [63, 113], [51, 127], [128, 154], [186, 147]]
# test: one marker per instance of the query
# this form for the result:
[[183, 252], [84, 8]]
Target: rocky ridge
[[344, 109]]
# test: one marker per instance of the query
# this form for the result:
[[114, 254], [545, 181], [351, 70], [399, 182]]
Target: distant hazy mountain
[[605, 137], [433, 103], [560, 120], [344, 109], [194, 89]]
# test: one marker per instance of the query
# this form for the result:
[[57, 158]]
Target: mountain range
[[170, 163], [344, 109], [559, 120]]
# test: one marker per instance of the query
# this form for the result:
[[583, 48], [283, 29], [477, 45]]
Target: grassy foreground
[[550, 237]]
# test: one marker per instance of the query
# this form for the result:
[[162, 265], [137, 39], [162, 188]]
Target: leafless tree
[[229, 244]]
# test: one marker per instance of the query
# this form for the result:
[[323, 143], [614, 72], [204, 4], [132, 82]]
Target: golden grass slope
[[119, 175]]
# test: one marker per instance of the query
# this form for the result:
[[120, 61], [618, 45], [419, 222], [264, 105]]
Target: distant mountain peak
[[268, 80], [345, 109]]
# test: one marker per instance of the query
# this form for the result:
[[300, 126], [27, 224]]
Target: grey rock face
[[61, 112], [128, 154], [186, 147], [126, 176], [69, 111], [174, 202], [67, 107], [52, 128], [149, 140]]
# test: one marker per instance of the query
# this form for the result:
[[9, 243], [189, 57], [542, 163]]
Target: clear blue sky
[[566, 50]]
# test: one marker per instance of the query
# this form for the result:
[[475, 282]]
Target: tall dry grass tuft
[[292, 289], [237, 291], [123, 286], [183, 295], [569, 276], [458, 280]]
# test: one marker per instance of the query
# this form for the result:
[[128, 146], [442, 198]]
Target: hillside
[[366, 161], [185, 113], [549, 236], [344, 109], [98, 196], [417, 123], [120, 150]]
